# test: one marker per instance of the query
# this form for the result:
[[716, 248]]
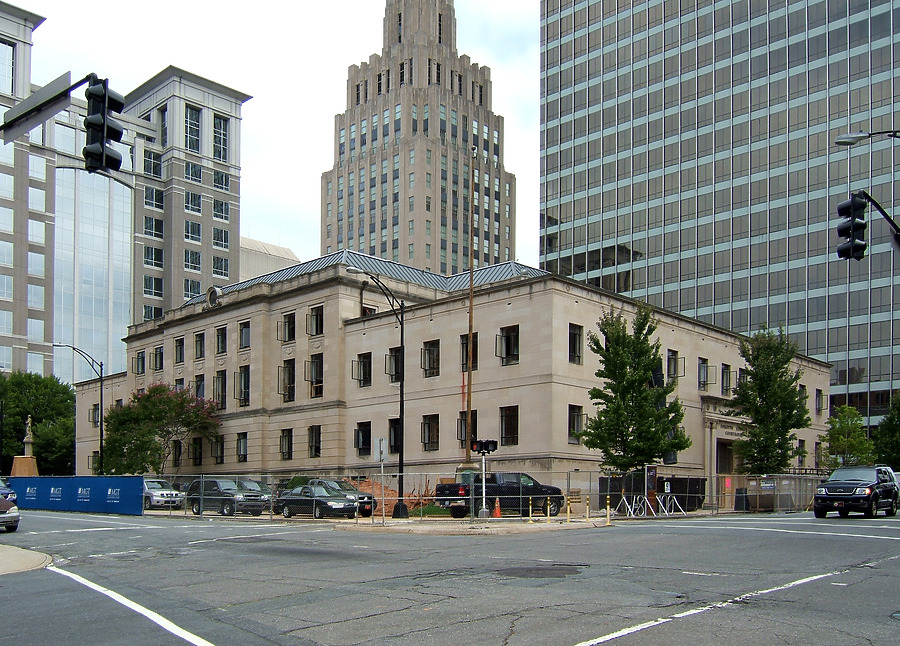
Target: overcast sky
[[281, 52]]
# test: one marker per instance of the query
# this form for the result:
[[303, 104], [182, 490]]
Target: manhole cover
[[540, 571]]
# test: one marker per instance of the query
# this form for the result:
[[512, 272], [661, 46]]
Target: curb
[[16, 559]]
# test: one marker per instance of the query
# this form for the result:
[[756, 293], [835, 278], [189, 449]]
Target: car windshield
[[229, 485], [253, 485], [346, 486], [862, 474], [157, 484], [321, 491]]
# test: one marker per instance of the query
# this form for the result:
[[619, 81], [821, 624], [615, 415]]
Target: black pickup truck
[[516, 491]]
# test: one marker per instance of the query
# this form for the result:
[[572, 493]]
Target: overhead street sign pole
[[39, 107]]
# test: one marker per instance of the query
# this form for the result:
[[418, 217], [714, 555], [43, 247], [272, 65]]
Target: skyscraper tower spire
[[403, 149]]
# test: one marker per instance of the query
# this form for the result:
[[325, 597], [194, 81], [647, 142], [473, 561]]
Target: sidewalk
[[15, 559]]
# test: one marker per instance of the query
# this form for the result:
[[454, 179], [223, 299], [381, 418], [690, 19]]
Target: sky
[[280, 52]]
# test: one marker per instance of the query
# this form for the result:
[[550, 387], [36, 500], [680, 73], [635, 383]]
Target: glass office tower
[[688, 159]]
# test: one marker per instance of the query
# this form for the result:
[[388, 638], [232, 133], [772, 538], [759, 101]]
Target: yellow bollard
[[568, 510], [608, 522], [530, 519], [587, 508], [547, 503]]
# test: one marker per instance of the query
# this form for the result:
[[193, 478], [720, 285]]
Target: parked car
[[864, 489], [161, 493], [366, 501], [9, 515], [6, 492], [256, 485], [224, 496], [317, 500]]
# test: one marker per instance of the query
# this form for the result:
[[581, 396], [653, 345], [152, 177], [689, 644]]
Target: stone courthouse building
[[302, 363]]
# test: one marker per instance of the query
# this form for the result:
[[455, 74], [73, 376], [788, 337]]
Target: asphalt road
[[723, 581]]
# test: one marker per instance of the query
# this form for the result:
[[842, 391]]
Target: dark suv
[[224, 496], [864, 489]]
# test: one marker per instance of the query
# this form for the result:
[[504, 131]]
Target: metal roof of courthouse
[[387, 269]]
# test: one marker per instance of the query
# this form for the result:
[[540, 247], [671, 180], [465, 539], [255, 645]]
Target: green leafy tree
[[48, 401], [845, 442], [886, 436], [634, 425], [770, 397], [54, 447], [140, 434]]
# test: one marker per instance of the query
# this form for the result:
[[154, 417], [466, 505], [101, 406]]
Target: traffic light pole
[[871, 200]]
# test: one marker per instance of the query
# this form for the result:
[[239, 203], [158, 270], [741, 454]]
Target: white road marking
[[233, 538], [159, 620], [722, 604], [696, 611]]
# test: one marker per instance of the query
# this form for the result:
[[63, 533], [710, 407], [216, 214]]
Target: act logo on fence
[[97, 494]]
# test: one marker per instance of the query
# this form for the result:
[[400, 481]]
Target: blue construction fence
[[95, 494]]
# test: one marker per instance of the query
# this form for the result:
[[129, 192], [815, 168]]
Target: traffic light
[[853, 227], [101, 129], [484, 446]]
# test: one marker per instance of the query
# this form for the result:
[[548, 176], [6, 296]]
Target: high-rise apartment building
[[82, 256], [418, 115], [688, 160]]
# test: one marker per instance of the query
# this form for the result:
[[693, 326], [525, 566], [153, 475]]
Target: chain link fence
[[655, 491]]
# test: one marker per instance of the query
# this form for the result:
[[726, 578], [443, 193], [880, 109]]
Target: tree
[[770, 397], [634, 425], [54, 447], [887, 436], [48, 401], [846, 441], [140, 434]]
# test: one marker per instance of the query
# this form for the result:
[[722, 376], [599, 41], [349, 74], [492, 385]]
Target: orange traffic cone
[[497, 513]]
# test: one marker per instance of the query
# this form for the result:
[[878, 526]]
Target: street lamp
[[853, 138], [398, 307], [97, 367]]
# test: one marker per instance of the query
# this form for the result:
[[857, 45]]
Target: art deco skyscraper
[[399, 188], [688, 160]]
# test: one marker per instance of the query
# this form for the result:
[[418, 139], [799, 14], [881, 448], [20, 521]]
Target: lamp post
[[467, 466], [398, 307], [97, 367], [853, 138]]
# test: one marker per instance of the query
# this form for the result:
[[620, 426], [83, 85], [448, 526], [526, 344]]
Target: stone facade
[[332, 331], [403, 152]]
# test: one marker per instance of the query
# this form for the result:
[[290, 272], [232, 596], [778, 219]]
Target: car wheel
[[317, 512], [365, 514], [227, 508], [820, 513], [459, 512], [195, 507], [843, 513], [286, 512], [147, 504], [892, 510], [12, 528], [872, 509], [550, 505]]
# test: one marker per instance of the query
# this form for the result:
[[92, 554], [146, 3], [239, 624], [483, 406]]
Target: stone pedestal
[[24, 466]]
